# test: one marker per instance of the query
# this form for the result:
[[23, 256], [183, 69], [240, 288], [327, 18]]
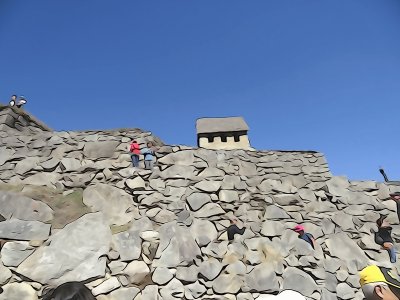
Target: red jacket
[[135, 149]]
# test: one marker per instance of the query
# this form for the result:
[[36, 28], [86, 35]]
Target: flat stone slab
[[75, 253], [15, 229], [23, 208]]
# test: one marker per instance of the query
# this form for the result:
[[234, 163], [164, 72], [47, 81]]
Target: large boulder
[[18, 291], [114, 203], [75, 253], [177, 246], [96, 150], [23, 208], [15, 229], [344, 248]]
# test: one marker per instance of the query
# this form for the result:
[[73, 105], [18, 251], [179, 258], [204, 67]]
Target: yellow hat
[[372, 274]]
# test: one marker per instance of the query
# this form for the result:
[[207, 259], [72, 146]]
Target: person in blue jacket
[[308, 237]]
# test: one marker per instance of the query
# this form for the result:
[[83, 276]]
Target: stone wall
[[230, 144], [13, 119], [73, 208]]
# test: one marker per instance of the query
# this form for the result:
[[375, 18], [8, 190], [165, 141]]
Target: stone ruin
[[73, 209], [222, 133]]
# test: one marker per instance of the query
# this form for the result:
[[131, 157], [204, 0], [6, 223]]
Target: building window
[[223, 138], [210, 139], [236, 138]]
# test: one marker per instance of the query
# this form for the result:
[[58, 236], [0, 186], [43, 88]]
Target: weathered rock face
[[77, 250], [161, 234]]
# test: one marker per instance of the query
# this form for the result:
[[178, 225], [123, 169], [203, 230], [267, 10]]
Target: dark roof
[[228, 124]]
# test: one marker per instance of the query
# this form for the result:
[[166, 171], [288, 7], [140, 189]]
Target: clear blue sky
[[306, 75]]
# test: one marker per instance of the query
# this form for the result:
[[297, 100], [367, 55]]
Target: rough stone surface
[[77, 260], [161, 234]]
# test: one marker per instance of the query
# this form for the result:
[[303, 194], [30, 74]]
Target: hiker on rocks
[[21, 101], [135, 152], [148, 153], [13, 100], [379, 283], [383, 237], [234, 229], [308, 237], [396, 197], [73, 290]]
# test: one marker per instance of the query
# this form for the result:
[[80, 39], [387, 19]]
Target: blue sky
[[306, 75]]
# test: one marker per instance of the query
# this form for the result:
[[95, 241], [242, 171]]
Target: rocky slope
[[72, 208]]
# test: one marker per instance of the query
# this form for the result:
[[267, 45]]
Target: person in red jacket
[[135, 151]]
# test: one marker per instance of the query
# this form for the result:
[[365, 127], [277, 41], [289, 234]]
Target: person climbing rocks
[[234, 229], [379, 283], [148, 153], [13, 100], [135, 152], [383, 237], [21, 101], [308, 237], [73, 290], [396, 197]]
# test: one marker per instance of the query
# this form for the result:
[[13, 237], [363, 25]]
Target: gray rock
[[128, 244], [43, 179], [212, 172], [75, 260], [227, 284], [13, 253], [194, 290], [136, 271], [173, 290], [23, 208], [337, 185], [203, 232], [275, 212], [18, 291], [115, 204], [198, 200], [188, 274], [261, 274], [5, 155], [297, 280], [5, 274], [208, 186], [179, 171], [150, 292], [162, 276], [228, 196], [272, 228], [50, 165], [136, 183], [116, 267], [15, 229], [344, 291], [184, 158], [177, 246], [96, 150], [341, 246], [123, 294], [210, 268], [106, 286], [70, 164], [209, 210], [26, 165]]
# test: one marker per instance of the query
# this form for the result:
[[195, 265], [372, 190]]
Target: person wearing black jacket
[[396, 197], [234, 229], [383, 237]]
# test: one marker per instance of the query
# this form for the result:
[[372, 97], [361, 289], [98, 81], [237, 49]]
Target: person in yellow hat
[[379, 283]]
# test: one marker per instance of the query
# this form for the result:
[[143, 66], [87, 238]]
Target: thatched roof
[[213, 125]]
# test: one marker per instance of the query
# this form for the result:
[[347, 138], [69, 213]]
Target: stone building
[[222, 133]]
